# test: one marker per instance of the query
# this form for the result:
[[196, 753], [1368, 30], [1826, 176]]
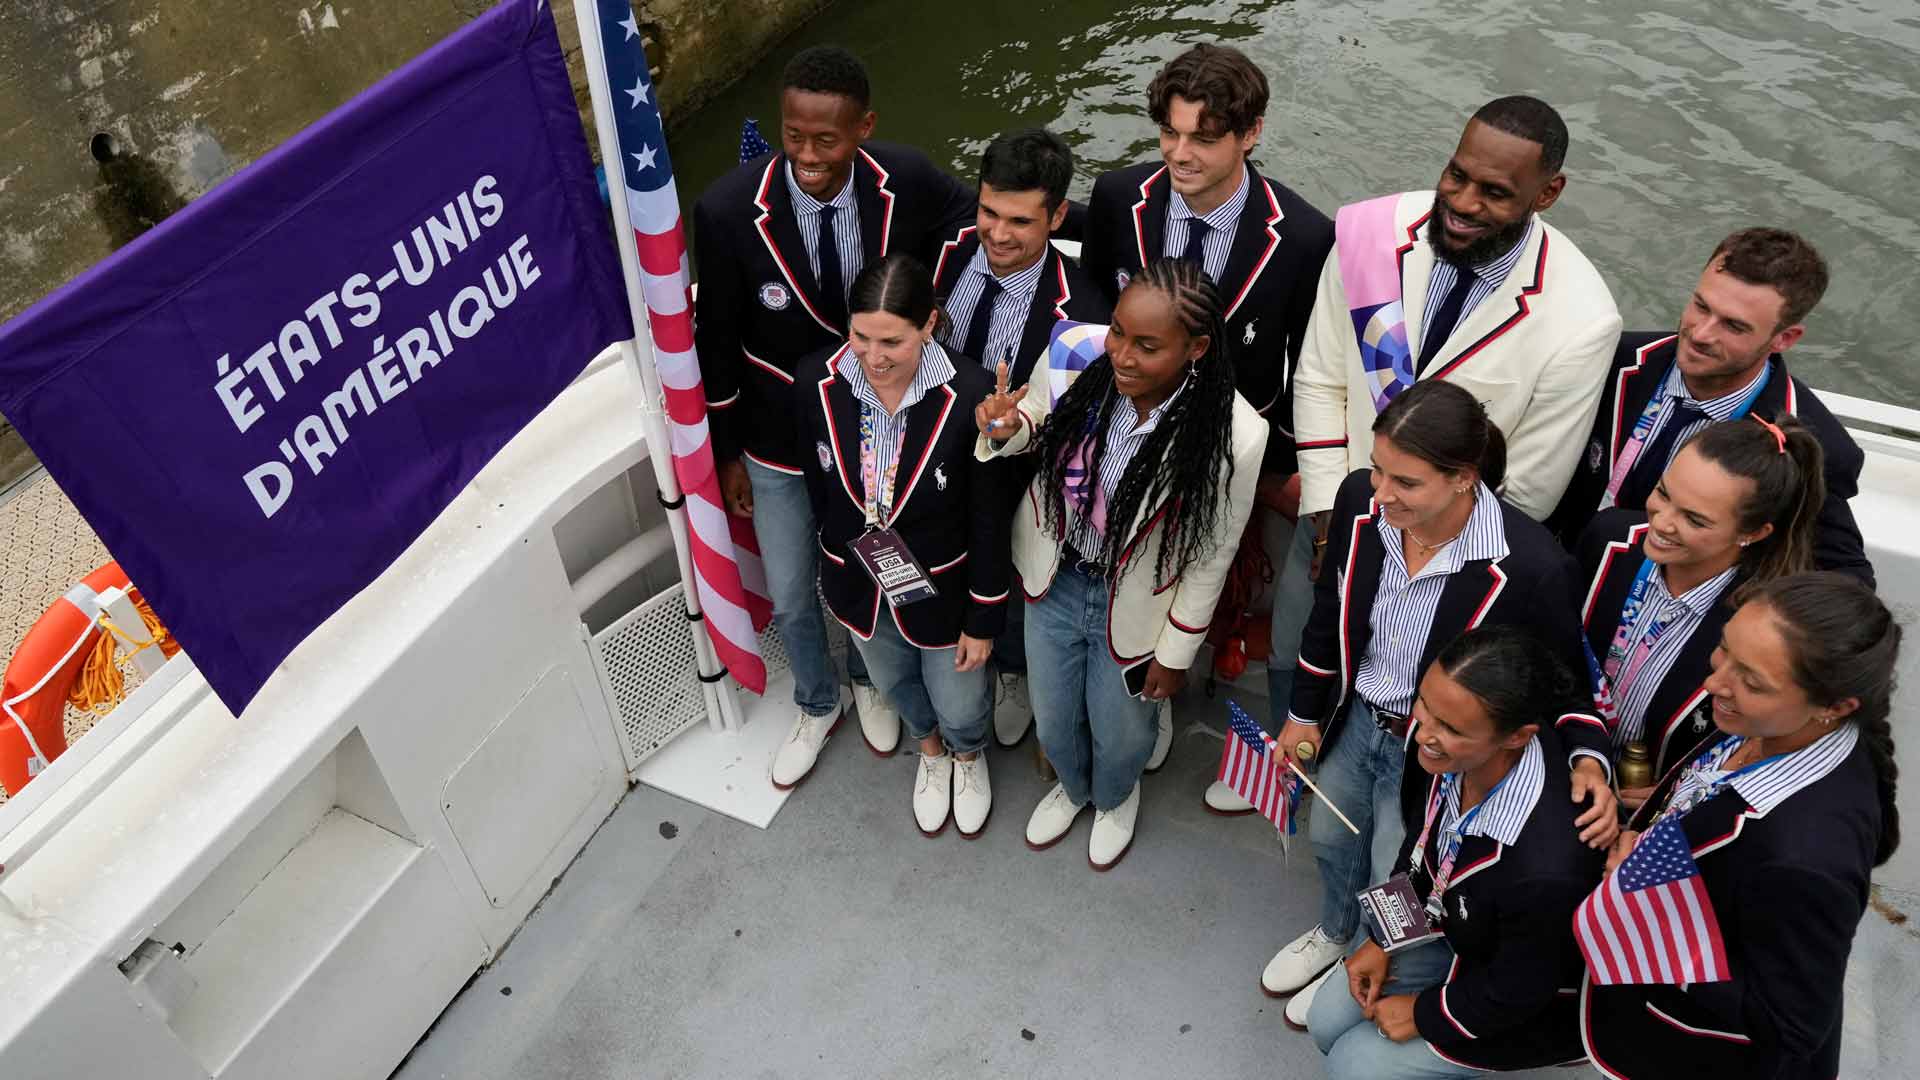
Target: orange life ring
[[39, 678]]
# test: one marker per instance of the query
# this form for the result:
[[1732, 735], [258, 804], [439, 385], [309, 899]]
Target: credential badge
[[774, 296], [826, 456]]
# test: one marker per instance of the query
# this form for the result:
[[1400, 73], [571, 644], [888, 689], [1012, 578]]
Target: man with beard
[[1725, 362], [1465, 283]]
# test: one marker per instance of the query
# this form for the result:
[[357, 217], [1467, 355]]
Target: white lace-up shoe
[[1012, 709], [933, 793], [1223, 800], [1297, 1007], [1163, 741], [796, 756], [1113, 832], [1297, 962], [1052, 819], [879, 721], [972, 795]]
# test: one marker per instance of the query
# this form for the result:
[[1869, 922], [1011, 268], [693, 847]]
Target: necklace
[[1428, 549]]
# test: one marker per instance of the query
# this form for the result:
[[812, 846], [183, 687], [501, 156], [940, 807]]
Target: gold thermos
[[1636, 768]]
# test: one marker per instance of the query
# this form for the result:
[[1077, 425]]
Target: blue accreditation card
[[892, 567]]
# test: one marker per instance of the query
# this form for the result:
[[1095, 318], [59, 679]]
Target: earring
[[1744, 543]]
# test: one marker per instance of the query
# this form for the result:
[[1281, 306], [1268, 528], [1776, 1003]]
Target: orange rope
[[100, 685]]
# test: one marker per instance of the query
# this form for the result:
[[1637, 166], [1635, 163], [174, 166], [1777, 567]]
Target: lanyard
[[1643, 429], [1451, 840], [1705, 777], [879, 488], [1624, 650]]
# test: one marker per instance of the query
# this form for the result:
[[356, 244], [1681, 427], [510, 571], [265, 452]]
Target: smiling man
[[1725, 361], [778, 241]]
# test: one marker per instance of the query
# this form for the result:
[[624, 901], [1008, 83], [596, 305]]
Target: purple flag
[[317, 356]]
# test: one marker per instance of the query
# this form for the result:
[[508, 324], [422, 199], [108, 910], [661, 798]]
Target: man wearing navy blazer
[[777, 243], [1004, 286]]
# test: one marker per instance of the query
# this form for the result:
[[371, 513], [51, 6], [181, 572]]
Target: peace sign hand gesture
[[997, 415]]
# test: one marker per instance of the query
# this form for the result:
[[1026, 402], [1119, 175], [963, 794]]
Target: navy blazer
[[759, 312], [1531, 587], [1680, 715], [1788, 889], [954, 513], [1641, 364], [1508, 1001], [1272, 273], [1064, 292]]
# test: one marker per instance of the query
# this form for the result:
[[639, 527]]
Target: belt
[[1393, 723], [1071, 558]]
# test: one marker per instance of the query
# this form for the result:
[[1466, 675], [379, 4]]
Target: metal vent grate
[[646, 659]]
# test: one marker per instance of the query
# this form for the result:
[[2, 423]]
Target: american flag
[[1249, 766], [726, 558], [1650, 921], [752, 143]]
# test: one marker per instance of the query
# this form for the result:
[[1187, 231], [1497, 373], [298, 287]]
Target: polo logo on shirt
[[826, 456], [1247, 338], [1120, 279], [1596, 455], [940, 477], [1460, 902], [774, 296]]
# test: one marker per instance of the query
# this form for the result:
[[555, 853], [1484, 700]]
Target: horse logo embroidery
[[1247, 338], [1460, 901], [940, 477]]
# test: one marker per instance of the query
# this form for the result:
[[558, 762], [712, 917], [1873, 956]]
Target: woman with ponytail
[[1147, 460], [1786, 807], [1737, 508]]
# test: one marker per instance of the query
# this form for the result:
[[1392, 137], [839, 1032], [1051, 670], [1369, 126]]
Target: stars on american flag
[[644, 159], [638, 93], [631, 25]]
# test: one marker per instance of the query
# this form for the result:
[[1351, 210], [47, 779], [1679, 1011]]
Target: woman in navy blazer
[[1738, 506], [1787, 808]]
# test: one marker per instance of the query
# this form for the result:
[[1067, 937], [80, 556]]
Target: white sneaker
[[796, 756], [1052, 819], [933, 793], [1296, 964], [1012, 709], [972, 795], [1299, 1005], [879, 721], [1162, 742], [1113, 832], [1221, 799]]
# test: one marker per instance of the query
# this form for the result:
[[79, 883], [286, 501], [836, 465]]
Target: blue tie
[[833, 292], [981, 321], [1652, 462], [1196, 252], [1440, 324]]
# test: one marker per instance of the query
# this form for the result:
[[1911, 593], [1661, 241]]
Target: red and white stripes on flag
[[1250, 765], [726, 558], [1650, 921]]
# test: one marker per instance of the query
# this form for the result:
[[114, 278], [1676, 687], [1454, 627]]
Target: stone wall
[[180, 94]]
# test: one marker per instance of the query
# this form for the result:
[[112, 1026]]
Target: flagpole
[[1344, 819], [723, 709]]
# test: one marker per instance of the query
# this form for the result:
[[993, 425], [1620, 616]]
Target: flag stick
[[1304, 778], [723, 710]]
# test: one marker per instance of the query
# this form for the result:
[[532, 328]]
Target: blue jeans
[[790, 551], [1097, 736], [1010, 648], [1361, 774], [930, 695], [1292, 603], [1355, 1049]]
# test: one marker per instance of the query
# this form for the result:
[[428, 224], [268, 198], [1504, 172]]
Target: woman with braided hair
[[1786, 808], [1147, 464]]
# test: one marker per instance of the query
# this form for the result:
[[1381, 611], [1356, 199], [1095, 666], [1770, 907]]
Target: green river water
[[1688, 120]]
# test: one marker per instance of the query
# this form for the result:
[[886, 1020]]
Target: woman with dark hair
[[1786, 809], [1737, 507], [1498, 869], [1421, 549], [913, 530], [1146, 466]]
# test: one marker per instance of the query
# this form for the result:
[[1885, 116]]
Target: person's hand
[[1622, 847], [736, 488], [1322, 524], [1393, 1016], [1292, 734], [1366, 974], [996, 415], [971, 652], [1163, 682], [1600, 823], [1633, 798], [1280, 494]]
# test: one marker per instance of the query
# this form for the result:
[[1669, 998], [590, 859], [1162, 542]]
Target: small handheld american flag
[[1250, 765], [1650, 921]]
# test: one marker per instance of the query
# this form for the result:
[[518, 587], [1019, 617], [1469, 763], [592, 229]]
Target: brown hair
[[1446, 427], [1789, 486], [1782, 261], [1231, 89]]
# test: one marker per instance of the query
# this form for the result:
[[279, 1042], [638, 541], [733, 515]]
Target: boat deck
[[840, 943]]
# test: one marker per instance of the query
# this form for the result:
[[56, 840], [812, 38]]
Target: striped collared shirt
[[846, 228], [1504, 812], [1770, 783], [1404, 607], [1686, 612], [1725, 407], [1489, 275], [1009, 308], [1123, 441], [1224, 218], [889, 427]]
